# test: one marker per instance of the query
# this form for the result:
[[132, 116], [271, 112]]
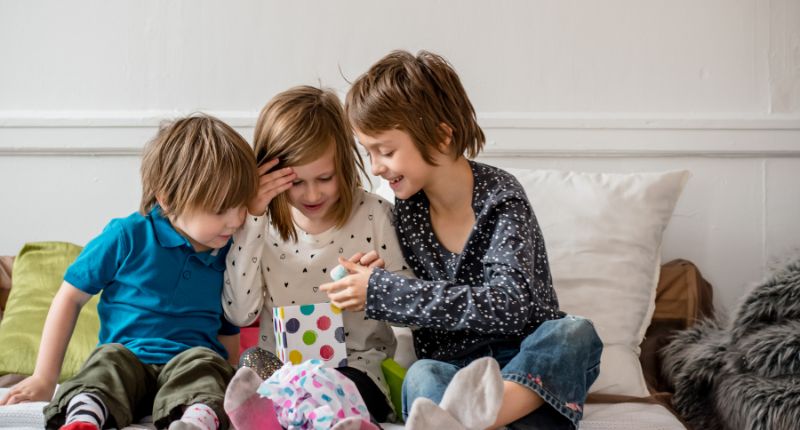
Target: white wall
[[708, 85]]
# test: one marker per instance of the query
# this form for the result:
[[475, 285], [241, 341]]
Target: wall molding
[[509, 134], [518, 120]]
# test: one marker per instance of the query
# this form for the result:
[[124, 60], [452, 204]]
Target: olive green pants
[[132, 390]]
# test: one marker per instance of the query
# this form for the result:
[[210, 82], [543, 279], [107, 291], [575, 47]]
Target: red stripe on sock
[[80, 425]]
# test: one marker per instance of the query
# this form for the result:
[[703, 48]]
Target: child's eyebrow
[[377, 144]]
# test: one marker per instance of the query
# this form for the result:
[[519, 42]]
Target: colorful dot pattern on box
[[313, 327]]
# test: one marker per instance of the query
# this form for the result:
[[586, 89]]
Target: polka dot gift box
[[305, 332]]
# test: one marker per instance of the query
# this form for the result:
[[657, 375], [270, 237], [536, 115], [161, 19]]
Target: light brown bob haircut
[[297, 127], [416, 95], [197, 163]]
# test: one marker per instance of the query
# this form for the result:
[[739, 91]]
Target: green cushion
[[394, 374], [38, 273]]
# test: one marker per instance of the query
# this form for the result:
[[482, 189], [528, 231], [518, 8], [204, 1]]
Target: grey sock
[[475, 394], [183, 425], [354, 423], [243, 386], [426, 415]]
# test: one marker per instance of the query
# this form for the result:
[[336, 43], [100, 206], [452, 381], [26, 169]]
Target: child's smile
[[394, 183]]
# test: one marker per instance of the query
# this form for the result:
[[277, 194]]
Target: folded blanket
[[744, 374], [23, 415]]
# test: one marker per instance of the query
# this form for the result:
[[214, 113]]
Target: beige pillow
[[603, 236]]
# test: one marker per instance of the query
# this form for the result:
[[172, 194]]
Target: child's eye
[[388, 154], [296, 183], [326, 178]]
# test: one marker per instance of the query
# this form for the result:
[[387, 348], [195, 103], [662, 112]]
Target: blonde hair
[[197, 163], [416, 95], [297, 127]]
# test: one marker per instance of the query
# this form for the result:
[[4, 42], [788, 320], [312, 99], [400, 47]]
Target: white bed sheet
[[621, 416]]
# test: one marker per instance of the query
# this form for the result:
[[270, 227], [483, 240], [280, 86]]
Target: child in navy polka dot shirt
[[310, 210], [483, 299]]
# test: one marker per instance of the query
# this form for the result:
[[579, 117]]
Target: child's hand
[[270, 184], [30, 389], [350, 292], [370, 259]]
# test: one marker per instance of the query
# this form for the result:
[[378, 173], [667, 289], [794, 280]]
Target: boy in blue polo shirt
[[160, 274]]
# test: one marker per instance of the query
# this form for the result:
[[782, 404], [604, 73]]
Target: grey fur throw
[[744, 374]]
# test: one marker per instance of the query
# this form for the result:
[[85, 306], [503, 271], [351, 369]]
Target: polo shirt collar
[[166, 234], [168, 237]]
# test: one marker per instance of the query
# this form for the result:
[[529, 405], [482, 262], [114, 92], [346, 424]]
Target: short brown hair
[[297, 126], [415, 95], [197, 162]]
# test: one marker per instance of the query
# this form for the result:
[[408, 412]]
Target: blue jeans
[[558, 361]]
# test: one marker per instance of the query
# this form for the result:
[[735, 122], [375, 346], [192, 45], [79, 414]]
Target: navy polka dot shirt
[[498, 289]]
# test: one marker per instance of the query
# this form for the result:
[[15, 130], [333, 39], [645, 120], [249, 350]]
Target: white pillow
[[603, 236]]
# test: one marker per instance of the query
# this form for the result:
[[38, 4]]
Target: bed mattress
[[620, 416]]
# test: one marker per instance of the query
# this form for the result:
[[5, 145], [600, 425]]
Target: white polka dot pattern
[[498, 289]]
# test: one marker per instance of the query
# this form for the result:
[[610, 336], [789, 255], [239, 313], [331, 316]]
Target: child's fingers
[[351, 305], [346, 300], [356, 257], [368, 258], [12, 397], [377, 263], [351, 266], [337, 299], [272, 183], [264, 168], [277, 177], [332, 287], [271, 193]]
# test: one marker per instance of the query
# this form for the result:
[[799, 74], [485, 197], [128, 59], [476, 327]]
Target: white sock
[[197, 417], [87, 408], [426, 415], [475, 394]]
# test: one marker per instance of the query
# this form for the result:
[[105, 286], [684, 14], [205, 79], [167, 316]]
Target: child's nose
[[377, 168], [312, 193]]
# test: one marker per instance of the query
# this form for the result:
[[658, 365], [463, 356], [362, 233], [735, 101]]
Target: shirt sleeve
[[227, 329], [267, 333], [243, 290], [98, 262], [501, 304]]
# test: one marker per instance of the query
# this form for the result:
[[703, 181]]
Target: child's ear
[[447, 132], [160, 200]]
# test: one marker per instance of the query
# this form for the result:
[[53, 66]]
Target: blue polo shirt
[[159, 297]]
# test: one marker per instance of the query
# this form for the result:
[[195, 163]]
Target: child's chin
[[404, 193]]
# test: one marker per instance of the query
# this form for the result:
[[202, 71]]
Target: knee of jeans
[[419, 374], [581, 330], [426, 378], [577, 332]]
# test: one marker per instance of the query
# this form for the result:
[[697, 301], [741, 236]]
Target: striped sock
[[197, 417], [87, 408]]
